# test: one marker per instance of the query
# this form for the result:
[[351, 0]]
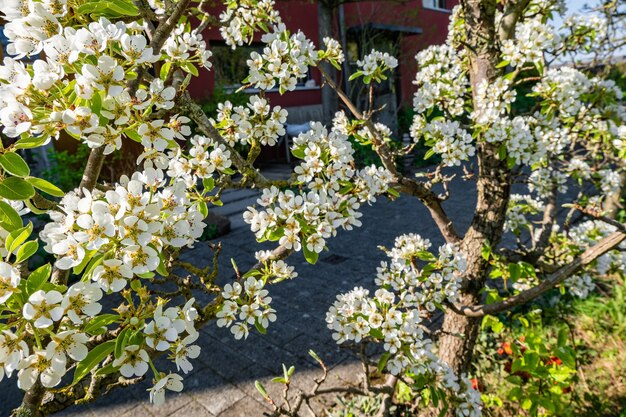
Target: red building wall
[[302, 15]]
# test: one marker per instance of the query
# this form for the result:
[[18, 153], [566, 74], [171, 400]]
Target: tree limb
[[591, 254]]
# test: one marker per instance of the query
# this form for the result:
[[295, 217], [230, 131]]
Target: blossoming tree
[[105, 72]]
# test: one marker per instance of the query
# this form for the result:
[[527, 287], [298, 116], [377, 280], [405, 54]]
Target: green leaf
[[27, 250], [486, 251], [14, 164], [133, 135], [161, 269], [45, 186], [94, 357], [203, 208], [191, 68], [15, 239], [260, 327], [96, 103], [382, 362], [208, 183], [310, 256], [29, 143], [14, 188], [261, 389], [95, 325], [393, 192], [86, 259], [10, 220], [315, 356], [355, 75], [37, 279], [120, 342], [93, 263], [560, 373], [502, 64], [109, 369], [165, 69], [514, 271]]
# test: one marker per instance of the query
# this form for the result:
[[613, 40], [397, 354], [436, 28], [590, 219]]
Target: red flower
[[474, 382], [554, 360]]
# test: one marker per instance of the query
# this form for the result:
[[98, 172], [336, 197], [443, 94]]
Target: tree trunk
[[459, 333], [613, 202], [330, 101]]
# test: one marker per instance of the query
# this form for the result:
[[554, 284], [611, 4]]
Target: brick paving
[[222, 382]]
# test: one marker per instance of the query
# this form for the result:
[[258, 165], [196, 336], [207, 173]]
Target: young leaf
[[96, 324], [29, 143], [37, 279], [17, 237], [27, 250], [94, 357], [310, 256], [261, 389]]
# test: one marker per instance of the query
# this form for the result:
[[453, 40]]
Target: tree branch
[[406, 185], [591, 254]]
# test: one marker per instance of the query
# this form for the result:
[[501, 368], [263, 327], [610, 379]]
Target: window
[[435, 4], [231, 68]]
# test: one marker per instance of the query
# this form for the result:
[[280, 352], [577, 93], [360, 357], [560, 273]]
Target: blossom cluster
[[245, 305], [414, 284], [255, 122], [442, 82], [584, 31], [204, 158], [588, 233], [544, 180], [448, 139], [129, 225], [566, 87], [244, 17], [493, 99], [335, 193], [185, 47], [532, 39], [95, 62], [580, 285], [520, 207], [285, 58], [374, 65]]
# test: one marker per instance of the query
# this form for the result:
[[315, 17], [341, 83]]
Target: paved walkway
[[222, 383]]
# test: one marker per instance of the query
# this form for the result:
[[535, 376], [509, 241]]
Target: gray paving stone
[[219, 398], [246, 407], [193, 409]]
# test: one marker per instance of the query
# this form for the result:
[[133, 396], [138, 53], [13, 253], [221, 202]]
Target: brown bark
[[31, 402], [459, 333], [613, 202]]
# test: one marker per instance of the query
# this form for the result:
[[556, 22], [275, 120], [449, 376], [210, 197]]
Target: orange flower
[[505, 348]]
